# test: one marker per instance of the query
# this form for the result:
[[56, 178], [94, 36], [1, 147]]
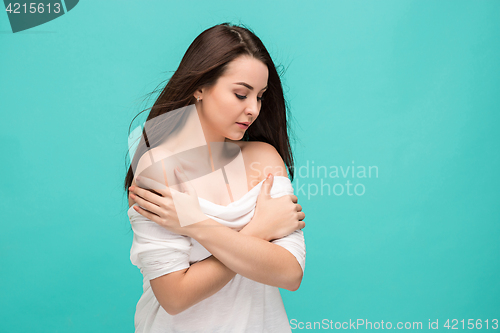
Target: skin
[[220, 108], [247, 252]]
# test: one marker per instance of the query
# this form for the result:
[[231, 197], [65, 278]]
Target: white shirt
[[242, 305]]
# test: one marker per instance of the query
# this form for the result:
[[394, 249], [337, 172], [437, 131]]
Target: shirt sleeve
[[294, 243], [157, 251]]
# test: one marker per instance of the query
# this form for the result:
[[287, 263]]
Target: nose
[[252, 110]]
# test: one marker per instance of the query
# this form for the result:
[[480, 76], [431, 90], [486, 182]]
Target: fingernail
[[268, 176]]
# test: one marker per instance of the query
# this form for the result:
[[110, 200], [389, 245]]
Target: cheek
[[226, 109], [215, 109]]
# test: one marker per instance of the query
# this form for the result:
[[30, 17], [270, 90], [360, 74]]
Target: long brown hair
[[204, 62]]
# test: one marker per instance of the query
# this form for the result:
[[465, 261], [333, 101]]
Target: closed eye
[[243, 97]]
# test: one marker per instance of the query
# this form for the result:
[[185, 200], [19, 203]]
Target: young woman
[[221, 271]]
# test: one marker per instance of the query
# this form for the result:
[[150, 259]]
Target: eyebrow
[[248, 86]]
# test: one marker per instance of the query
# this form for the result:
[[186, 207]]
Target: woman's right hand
[[163, 204], [275, 217]]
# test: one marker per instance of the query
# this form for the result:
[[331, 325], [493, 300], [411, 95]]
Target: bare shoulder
[[146, 160], [150, 157], [262, 158]]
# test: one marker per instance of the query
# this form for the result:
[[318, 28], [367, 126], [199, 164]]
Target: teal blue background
[[411, 87]]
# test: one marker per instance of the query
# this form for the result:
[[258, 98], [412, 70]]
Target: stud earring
[[198, 98]]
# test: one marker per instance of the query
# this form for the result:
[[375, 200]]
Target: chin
[[236, 137]]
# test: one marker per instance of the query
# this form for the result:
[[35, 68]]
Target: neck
[[196, 133], [208, 132]]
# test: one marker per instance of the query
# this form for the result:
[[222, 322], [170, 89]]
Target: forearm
[[249, 256], [202, 280]]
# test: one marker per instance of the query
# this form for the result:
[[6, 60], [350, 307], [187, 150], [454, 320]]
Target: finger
[[164, 192], [299, 207], [153, 191], [302, 216], [302, 224], [146, 194], [265, 190], [294, 198], [153, 217], [149, 184], [146, 204], [152, 186]]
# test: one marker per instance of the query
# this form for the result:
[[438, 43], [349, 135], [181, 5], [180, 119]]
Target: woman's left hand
[[175, 211]]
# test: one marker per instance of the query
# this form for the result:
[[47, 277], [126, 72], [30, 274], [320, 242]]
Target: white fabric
[[242, 305]]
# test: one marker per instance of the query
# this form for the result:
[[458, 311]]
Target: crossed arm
[[232, 253]]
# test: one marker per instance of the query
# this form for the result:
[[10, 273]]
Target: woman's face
[[235, 98]]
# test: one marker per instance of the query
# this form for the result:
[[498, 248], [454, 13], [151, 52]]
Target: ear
[[199, 92]]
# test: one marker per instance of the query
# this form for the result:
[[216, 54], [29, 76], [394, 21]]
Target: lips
[[243, 125]]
